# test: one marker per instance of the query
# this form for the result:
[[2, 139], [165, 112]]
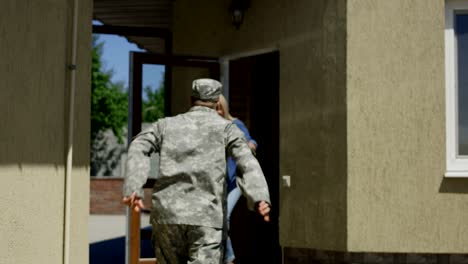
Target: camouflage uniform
[[190, 191]]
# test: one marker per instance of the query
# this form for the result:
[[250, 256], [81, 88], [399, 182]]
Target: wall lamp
[[237, 9]]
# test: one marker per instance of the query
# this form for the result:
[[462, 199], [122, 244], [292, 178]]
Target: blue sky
[[115, 56]]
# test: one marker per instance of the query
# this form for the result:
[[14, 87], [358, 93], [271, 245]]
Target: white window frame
[[456, 166]]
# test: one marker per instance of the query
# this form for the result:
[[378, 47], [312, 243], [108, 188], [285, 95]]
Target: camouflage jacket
[[191, 186]]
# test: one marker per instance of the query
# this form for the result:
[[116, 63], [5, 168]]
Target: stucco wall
[[310, 36], [182, 78], [398, 199], [34, 51], [79, 244]]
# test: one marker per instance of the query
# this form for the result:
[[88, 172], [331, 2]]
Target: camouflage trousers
[[177, 244]]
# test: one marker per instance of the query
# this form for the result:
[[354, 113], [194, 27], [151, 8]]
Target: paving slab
[[105, 227]]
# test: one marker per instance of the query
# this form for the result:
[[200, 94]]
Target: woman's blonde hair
[[224, 106]]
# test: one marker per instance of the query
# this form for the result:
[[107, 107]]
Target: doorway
[[254, 99]]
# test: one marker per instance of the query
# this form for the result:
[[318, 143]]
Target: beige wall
[[310, 36], [398, 199], [182, 78], [34, 52]]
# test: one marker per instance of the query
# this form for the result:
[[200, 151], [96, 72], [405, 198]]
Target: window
[[456, 70]]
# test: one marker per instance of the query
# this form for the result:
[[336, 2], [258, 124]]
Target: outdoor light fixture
[[237, 9]]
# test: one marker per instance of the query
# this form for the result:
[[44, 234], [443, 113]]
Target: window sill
[[456, 174]]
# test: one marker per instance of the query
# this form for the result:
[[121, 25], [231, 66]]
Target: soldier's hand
[[263, 208], [134, 202]]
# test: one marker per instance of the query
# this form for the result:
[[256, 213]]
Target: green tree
[[153, 104], [109, 101]]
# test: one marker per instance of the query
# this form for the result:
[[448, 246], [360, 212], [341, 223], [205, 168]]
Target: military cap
[[206, 89]]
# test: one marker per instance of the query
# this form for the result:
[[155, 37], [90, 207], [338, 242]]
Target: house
[[360, 105]]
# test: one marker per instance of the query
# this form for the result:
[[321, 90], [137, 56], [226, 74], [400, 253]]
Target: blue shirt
[[231, 164]]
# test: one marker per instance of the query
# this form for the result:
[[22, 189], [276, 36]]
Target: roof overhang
[[146, 23]]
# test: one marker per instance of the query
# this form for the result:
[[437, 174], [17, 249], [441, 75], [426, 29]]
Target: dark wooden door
[[254, 98]]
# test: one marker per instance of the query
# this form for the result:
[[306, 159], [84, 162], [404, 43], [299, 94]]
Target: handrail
[[135, 240]]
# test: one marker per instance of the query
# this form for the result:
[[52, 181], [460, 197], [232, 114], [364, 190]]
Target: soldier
[[189, 196]]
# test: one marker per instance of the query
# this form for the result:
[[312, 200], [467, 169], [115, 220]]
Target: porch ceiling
[[136, 13]]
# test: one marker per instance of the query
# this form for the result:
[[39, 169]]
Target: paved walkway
[[107, 239], [104, 227]]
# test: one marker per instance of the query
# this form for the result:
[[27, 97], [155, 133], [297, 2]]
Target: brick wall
[[106, 194]]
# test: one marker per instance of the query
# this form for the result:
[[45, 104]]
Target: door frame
[[225, 73], [224, 64]]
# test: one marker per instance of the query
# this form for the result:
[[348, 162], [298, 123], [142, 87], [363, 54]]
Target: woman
[[232, 189]]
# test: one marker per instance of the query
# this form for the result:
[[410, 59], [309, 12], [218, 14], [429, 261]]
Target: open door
[[254, 99], [179, 72]]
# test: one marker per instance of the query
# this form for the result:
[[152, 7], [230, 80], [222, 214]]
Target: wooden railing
[[135, 240]]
